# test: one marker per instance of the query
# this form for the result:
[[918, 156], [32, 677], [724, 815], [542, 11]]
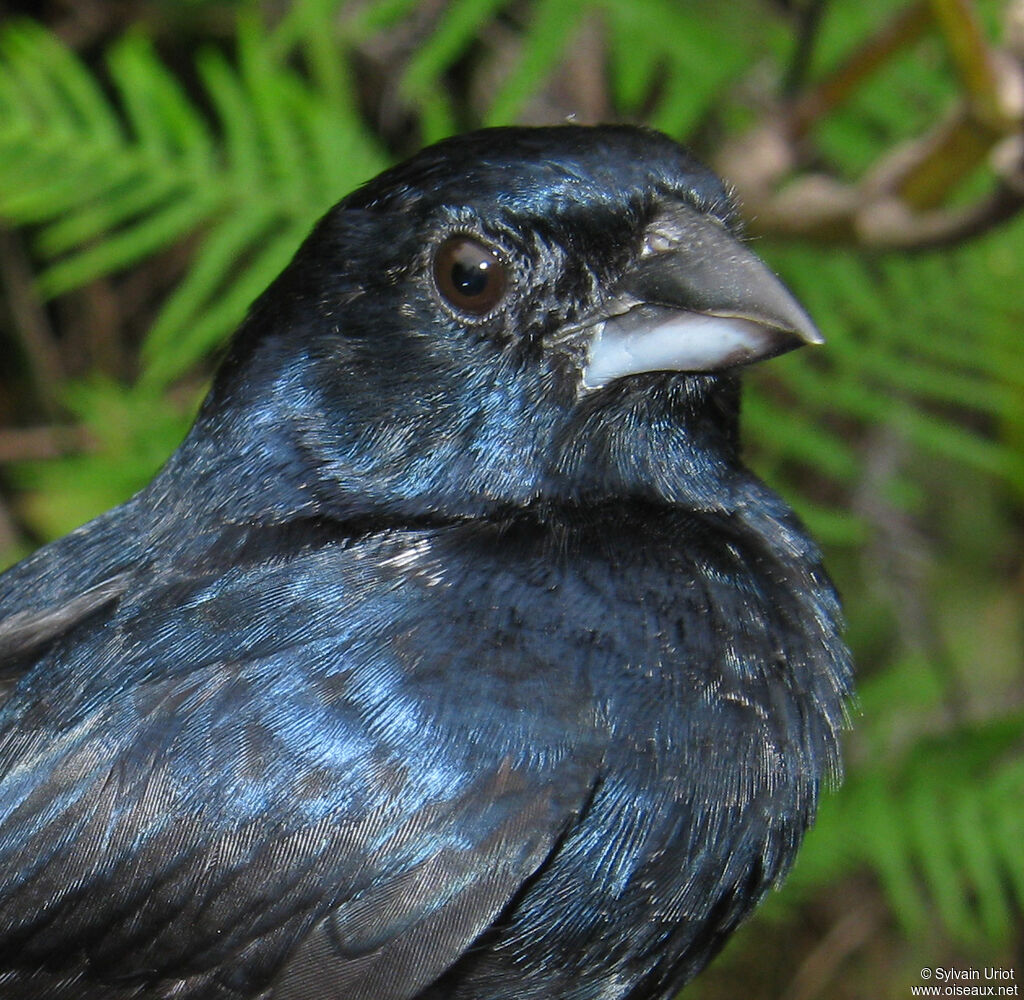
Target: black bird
[[455, 653]]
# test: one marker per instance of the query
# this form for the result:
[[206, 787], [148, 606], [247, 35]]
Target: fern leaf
[[462, 21], [378, 15], [108, 195], [991, 917], [215, 264], [157, 230], [162, 117], [38, 184], [543, 43], [242, 144], [111, 206], [634, 62], [934, 852], [886, 830], [206, 328], [801, 438]]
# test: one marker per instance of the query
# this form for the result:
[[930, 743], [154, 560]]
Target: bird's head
[[516, 316]]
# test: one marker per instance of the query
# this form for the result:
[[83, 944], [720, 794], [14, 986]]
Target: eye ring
[[469, 275]]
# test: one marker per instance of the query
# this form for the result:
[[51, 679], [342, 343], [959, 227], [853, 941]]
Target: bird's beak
[[697, 301]]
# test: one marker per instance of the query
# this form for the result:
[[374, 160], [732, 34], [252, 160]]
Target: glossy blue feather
[[421, 671]]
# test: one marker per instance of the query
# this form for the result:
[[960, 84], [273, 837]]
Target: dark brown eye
[[469, 275]]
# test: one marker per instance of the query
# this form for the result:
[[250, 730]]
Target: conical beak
[[697, 301]]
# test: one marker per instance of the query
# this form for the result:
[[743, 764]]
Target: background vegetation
[[160, 161]]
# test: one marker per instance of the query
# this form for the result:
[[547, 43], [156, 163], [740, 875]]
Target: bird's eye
[[469, 275]]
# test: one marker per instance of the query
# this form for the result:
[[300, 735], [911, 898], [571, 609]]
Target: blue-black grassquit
[[455, 653]]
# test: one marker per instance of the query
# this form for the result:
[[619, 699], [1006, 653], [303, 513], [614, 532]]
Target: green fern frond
[[909, 345], [942, 828], [58, 496], [543, 44], [463, 21], [111, 185], [693, 56]]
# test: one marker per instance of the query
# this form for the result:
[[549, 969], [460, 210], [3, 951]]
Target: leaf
[[462, 20], [210, 273], [167, 222], [162, 117], [542, 46], [276, 153], [206, 330]]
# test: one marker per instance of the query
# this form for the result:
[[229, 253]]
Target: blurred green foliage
[[900, 443]]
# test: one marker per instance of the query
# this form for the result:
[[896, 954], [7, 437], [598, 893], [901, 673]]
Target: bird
[[455, 654]]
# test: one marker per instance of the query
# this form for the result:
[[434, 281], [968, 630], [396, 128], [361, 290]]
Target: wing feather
[[238, 785]]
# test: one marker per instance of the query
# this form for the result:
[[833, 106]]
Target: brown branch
[[28, 444], [821, 966], [809, 20], [899, 203], [9, 536], [902, 30], [30, 323], [923, 171], [890, 226], [974, 61]]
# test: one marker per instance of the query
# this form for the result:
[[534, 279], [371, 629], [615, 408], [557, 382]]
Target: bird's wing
[[63, 583], [287, 780]]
